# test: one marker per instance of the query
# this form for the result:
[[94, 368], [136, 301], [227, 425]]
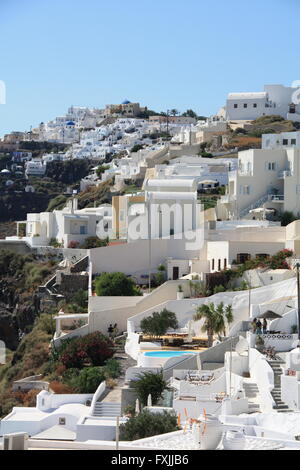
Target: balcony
[[276, 197], [284, 173]]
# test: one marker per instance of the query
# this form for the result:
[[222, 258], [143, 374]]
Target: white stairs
[[107, 409], [252, 393]]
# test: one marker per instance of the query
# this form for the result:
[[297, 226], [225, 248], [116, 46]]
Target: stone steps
[[280, 406], [107, 409]]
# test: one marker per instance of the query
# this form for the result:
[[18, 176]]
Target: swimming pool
[[166, 354]]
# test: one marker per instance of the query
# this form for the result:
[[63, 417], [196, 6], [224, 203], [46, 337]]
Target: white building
[[267, 178], [35, 168], [67, 225], [275, 99]]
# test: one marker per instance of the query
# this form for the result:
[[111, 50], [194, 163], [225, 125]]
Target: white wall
[[263, 375]]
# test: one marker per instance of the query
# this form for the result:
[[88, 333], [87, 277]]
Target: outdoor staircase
[[252, 393], [107, 409], [255, 205], [279, 406]]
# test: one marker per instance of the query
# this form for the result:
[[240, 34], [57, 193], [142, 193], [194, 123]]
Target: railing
[[284, 173], [97, 395], [276, 197], [254, 205]]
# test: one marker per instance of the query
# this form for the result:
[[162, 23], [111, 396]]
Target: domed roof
[[126, 102], [70, 123], [5, 171]]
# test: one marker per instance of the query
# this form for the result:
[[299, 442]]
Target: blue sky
[[162, 53]]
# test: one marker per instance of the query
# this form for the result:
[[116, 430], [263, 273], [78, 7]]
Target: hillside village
[[149, 296]]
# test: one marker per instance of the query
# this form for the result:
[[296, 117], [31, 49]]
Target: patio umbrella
[[270, 315], [137, 406], [208, 182], [261, 209], [149, 400]]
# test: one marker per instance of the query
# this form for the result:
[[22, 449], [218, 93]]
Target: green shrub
[[219, 288], [113, 284], [148, 424], [112, 368], [46, 323], [94, 242], [89, 379], [80, 298]]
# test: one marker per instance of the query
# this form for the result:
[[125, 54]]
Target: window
[[82, 229], [219, 265], [298, 189], [62, 421], [285, 141], [271, 166], [262, 255], [235, 105], [212, 264], [225, 263], [242, 257], [245, 189], [293, 141], [245, 105], [254, 105]]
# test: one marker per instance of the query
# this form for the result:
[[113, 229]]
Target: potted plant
[[180, 292]]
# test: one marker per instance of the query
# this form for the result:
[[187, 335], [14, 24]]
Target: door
[[175, 272]]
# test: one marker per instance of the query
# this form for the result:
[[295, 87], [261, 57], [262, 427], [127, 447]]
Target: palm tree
[[215, 319]]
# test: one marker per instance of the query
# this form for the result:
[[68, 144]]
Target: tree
[[148, 424], [159, 322], [174, 112], [215, 319], [147, 384], [190, 113], [160, 276], [112, 284]]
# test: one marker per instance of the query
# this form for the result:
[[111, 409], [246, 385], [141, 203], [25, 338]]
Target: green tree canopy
[[158, 323], [113, 284]]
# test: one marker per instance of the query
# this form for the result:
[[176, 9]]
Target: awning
[[270, 315]]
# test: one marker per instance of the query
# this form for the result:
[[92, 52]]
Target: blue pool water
[[167, 353]]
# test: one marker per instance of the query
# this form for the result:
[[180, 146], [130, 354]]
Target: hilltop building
[[275, 99]]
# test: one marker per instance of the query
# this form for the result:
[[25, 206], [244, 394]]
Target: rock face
[[17, 312], [8, 328]]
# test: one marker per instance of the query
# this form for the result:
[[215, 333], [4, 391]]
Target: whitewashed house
[[67, 225], [275, 99], [266, 178]]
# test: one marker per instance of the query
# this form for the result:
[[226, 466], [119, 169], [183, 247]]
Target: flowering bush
[[93, 348], [73, 244], [98, 348]]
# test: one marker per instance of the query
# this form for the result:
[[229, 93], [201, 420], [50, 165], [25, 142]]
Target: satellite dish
[[242, 346]]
